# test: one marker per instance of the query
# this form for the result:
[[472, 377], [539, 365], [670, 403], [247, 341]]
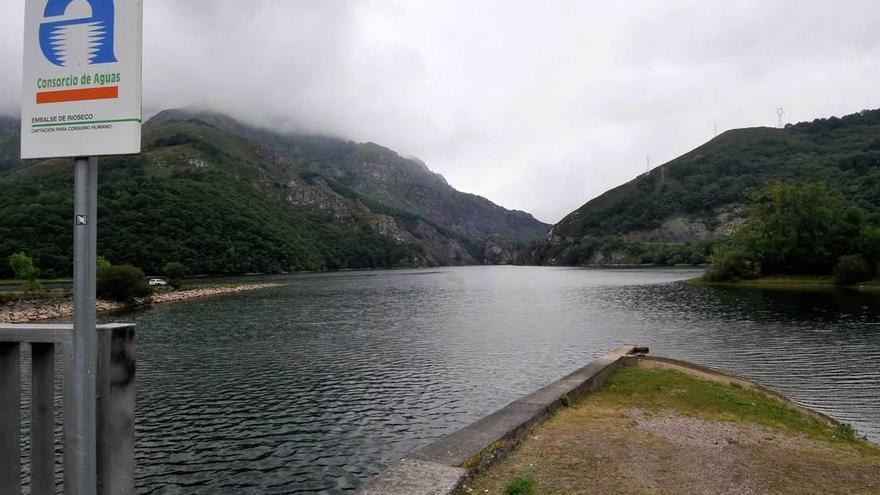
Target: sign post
[[82, 78], [82, 98], [82, 364]]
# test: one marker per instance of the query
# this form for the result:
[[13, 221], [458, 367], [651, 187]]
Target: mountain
[[9, 143], [224, 197], [699, 196]]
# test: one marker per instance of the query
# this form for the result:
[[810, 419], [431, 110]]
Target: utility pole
[[780, 112], [648, 163]]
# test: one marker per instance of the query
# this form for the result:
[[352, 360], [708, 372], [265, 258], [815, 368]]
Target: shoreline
[[460, 462], [30, 309], [788, 282], [661, 425]]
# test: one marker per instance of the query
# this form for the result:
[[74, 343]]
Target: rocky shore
[[44, 308]]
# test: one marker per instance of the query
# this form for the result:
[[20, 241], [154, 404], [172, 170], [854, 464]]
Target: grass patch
[[660, 389], [818, 282], [12, 281], [489, 451], [600, 446], [794, 280], [566, 400], [10, 297], [521, 485]]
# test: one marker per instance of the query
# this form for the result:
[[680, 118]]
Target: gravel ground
[[599, 447]]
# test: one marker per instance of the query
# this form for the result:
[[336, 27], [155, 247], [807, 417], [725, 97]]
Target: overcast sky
[[537, 105]]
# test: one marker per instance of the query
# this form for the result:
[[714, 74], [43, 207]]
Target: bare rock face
[[606, 258], [237, 197], [317, 195], [441, 249], [677, 230], [499, 251], [366, 181], [682, 229]]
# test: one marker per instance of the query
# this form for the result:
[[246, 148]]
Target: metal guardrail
[[114, 442]]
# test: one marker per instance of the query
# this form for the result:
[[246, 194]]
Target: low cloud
[[536, 105]]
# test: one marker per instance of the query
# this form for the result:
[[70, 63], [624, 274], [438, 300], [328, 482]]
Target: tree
[[23, 267], [122, 283], [175, 271], [731, 264], [851, 269], [800, 228]]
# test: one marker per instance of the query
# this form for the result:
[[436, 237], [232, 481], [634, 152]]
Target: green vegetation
[[667, 389], [799, 229], [851, 269], [521, 485], [102, 263], [656, 427], [708, 185], [732, 263], [22, 267], [175, 271], [842, 152], [121, 283], [587, 250], [222, 198]]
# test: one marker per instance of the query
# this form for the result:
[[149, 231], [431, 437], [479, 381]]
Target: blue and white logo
[[78, 32]]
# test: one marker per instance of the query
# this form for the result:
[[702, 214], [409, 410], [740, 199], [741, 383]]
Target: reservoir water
[[314, 386]]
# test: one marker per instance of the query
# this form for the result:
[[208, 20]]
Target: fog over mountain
[[535, 105]]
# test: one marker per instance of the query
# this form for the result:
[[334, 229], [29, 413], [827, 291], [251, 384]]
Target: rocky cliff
[[224, 197], [698, 196]]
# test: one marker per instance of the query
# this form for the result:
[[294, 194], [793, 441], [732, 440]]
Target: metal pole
[[79, 452]]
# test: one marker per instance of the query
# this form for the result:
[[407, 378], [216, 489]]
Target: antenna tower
[[648, 163], [780, 112]]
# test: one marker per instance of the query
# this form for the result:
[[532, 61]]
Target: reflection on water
[[315, 386]]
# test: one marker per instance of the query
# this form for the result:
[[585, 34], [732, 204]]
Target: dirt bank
[[45, 308]]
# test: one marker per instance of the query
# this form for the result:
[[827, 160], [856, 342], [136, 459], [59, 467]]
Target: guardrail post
[[115, 409], [10, 418], [42, 419]]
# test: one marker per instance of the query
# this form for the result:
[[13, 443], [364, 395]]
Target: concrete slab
[[415, 477], [552, 393], [464, 444], [440, 467]]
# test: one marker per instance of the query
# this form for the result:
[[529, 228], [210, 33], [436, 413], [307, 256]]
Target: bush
[[851, 269], [23, 267], [521, 485], [695, 258], [101, 263], [122, 283], [731, 264], [175, 271]]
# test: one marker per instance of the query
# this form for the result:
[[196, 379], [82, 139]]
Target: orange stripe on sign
[[104, 93]]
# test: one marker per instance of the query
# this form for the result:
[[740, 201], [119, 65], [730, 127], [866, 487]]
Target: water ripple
[[313, 387]]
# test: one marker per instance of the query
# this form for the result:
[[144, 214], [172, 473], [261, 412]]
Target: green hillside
[[219, 200], [698, 196]]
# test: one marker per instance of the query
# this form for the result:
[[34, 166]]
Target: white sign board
[[81, 94]]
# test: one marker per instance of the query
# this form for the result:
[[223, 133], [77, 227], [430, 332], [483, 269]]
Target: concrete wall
[[441, 467]]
